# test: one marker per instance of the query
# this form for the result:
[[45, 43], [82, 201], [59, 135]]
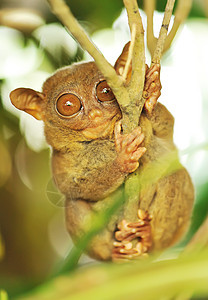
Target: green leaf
[[142, 279]]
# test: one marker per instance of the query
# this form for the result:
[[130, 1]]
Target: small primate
[[91, 158]]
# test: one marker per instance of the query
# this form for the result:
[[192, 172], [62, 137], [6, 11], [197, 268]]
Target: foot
[[127, 232], [152, 87], [128, 148]]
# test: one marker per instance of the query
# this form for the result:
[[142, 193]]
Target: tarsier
[[92, 158]]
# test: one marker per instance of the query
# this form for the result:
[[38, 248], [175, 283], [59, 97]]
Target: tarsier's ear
[[121, 62], [30, 101]]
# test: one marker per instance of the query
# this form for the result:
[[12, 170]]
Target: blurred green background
[[33, 238]]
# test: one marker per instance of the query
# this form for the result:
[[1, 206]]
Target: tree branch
[[138, 58], [130, 54], [125, 95], [128, 95], [163, 32], [149, 7], [62, 11], [181, 13], [136, 85]]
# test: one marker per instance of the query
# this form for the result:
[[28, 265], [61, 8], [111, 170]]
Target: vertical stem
[[138, 57], [62, 11], [136, 84], [181, 13], [135, 89], [163, 32], [130, 53], [149, 7]]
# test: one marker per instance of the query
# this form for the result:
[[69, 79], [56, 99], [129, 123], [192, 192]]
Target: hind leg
[[79, 221], [171, 209]]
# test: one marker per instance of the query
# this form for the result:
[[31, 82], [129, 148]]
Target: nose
[[95, 113]]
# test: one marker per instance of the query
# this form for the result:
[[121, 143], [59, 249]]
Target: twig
[[149, 7], [181, 13], [163, 32], [62, 11], [130, 54], [138, 58]]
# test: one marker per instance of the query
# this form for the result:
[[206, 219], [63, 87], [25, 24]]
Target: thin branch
[[149, 7], [136, 84], [181, 13], [130, 54], [62, 11], [138, 58], [163, 32]]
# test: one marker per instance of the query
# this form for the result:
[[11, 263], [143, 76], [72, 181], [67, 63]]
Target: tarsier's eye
[[104, 92], [68, 104]]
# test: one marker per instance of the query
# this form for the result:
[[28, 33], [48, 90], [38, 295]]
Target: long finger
[[135, 144], [138, 154], [151, 79], [129, 138], [118, 136], [152, 69]]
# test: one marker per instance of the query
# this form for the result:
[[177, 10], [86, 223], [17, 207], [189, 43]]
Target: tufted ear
[[30, 101], [121, 62]]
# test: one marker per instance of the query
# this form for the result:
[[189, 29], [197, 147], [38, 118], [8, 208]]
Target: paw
[[128, 148], [152, 87], [127, 232]]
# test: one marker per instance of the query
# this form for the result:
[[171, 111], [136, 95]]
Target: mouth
[[100, 131]]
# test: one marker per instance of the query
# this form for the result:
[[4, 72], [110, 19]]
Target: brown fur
[[85, 168]]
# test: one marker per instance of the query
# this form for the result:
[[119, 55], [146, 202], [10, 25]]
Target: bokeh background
[[33, 45]]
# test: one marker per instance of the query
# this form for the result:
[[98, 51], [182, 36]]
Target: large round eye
[[68, 105], [104, 92]]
